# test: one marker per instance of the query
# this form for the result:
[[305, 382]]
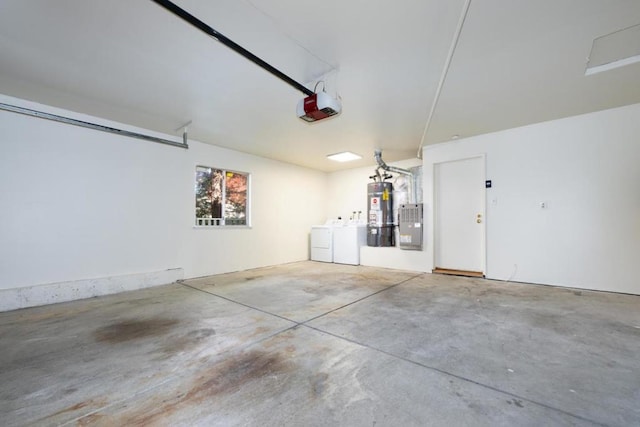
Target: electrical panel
[[410, 225]]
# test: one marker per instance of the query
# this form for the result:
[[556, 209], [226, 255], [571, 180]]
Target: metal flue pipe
[[394, 169], [376, 177]]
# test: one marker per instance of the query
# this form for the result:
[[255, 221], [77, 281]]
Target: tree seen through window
[[221, 197]]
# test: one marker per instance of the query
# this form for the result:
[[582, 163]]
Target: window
[[221, 197]]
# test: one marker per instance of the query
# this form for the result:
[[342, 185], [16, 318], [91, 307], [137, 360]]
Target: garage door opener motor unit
[[317, 107]]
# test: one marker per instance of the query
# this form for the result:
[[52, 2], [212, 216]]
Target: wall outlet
[[543, 205]]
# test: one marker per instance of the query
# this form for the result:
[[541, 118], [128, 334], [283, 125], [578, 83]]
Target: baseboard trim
[[52, 293]]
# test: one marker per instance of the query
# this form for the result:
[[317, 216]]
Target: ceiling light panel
[[345, 156]]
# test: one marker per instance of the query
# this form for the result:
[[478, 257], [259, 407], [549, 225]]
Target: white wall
[[285, 202], [81, 209], [81, 204], [586, 168]]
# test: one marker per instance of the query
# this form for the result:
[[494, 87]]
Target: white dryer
[[322, 243]]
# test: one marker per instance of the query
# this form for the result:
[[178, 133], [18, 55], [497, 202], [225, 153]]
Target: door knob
[[478, 220]]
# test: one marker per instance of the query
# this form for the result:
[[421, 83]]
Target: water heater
[[380, 228]]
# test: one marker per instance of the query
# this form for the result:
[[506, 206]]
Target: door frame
[[483, 246]]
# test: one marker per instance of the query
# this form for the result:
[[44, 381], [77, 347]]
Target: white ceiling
[[517, 62]]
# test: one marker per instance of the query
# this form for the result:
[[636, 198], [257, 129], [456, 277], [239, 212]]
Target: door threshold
[[452, 272]]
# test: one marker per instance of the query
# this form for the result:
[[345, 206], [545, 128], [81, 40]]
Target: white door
[[459, 215]]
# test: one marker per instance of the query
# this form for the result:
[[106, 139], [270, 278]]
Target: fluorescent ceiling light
[[345, 156], [614, 50]]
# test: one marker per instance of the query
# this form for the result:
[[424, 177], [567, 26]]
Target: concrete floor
[[313, 344]]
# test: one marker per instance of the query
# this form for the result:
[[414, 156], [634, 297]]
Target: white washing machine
[[347, 241], [322, 243]]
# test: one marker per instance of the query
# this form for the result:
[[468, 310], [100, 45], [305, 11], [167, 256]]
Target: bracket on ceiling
[[184, 128]]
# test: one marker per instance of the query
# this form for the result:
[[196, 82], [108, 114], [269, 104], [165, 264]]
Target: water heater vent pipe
[[394, 169]]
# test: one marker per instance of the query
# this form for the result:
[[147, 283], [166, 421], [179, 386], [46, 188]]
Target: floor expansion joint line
[[459, 377], [361, 299], [239, 303]]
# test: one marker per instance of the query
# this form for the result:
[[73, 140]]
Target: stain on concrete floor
[[134, 329], [225, 377]]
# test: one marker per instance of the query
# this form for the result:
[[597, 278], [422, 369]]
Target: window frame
[[208, 223]]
